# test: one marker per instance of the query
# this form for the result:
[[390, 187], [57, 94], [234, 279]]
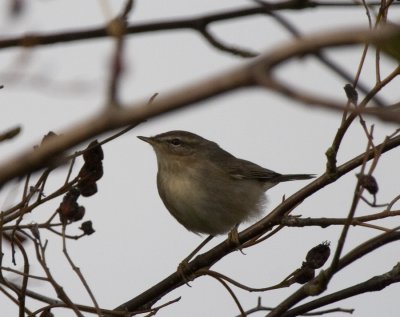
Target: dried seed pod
[[87, 188], [72, 194], [304, 274], [94, 153], [69, 208], [35, 231], [79, 214], [369, 183], [351, 93], [91, 172], [318, 255], [87, 227]]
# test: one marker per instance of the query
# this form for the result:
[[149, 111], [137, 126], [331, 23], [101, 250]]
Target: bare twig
[[316, 286], [79, 273], [166, 25], [40, 255], [224, 47], [147, 298], [373, 284], [22, 295], [356, 198], [241, 77], [292, 221], [10, 134], [260, 307], [117, 29], [230, 291]]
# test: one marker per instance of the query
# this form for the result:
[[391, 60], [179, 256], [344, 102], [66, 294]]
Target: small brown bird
[[207, 189]]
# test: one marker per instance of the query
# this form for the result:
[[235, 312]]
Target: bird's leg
[[233, 237], [183, 265], [198, 248]]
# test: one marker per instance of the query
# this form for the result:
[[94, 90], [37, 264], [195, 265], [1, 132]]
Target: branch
[[10, 134], [373, 284], [196, 23], [292, 221], [241, 77], [314, 287], [206, 260]]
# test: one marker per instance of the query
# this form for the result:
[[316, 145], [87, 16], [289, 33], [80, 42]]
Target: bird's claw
[[182, 272], [233, 238]]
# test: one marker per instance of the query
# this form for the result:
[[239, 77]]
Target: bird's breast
[[178, 189]]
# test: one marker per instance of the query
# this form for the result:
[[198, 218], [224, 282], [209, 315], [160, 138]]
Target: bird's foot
[[233, 238], [182, 271]]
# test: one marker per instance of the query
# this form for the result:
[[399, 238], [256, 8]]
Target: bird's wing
[[243, 169], [239, 168]]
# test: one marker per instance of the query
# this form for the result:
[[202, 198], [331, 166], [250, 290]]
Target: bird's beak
[[146, 139]]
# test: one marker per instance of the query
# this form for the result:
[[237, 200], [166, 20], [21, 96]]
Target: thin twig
[[10, 134], [79, 273], [149, 297], [376, 283], [61, 294]]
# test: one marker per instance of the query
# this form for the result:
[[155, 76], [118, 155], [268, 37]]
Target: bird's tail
[[294, 177]]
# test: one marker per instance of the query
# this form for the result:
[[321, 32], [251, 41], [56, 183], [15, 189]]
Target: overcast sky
[[137, 242]]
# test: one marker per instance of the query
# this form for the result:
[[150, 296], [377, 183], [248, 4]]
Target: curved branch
[[206, 260], [245, 76], [196, 23], [373, 284], [317, 285]]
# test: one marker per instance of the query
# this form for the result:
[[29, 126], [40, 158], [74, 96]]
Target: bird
[[207, 189]]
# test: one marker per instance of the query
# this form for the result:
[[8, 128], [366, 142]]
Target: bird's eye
[[176, 142]]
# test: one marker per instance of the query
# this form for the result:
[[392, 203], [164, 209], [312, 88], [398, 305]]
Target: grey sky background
[[137, 243]]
